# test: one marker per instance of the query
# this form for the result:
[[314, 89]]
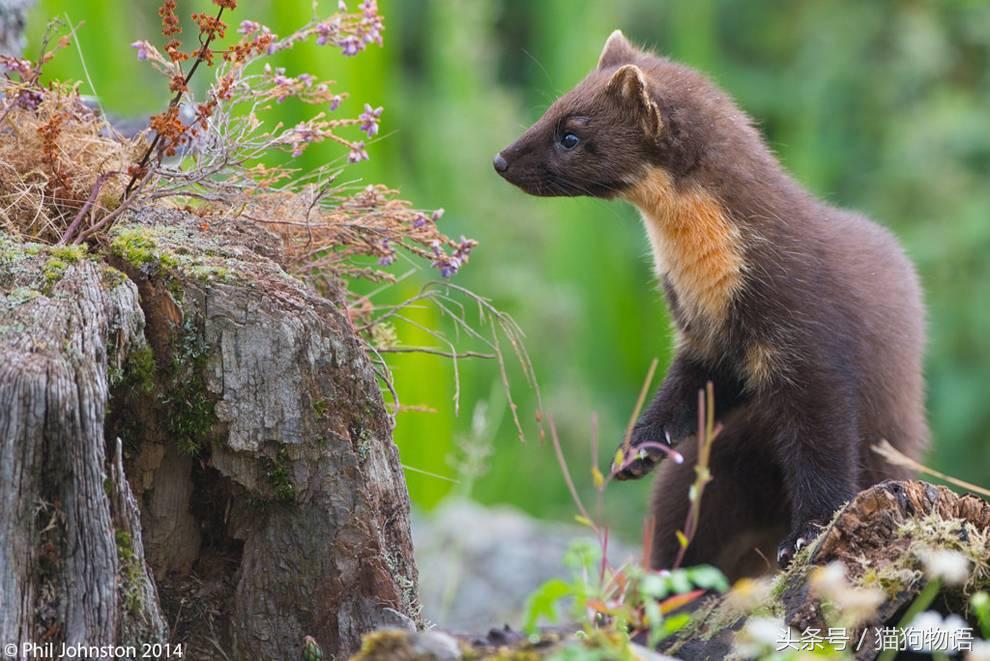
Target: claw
[[666, 435], [799, 544]]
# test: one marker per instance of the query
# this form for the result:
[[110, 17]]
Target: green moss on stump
[[278, 477], [138, 246], [130, 572], [191, 406]]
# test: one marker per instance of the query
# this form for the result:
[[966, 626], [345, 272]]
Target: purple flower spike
[[369, 120], [142, 49], [358, 153], [249, 27], [351, 46]]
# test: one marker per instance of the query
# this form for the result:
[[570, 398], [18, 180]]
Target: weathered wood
[[262, 487], [65, 322]]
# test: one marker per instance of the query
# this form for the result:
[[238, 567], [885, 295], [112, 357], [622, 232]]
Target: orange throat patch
[[694, 243]]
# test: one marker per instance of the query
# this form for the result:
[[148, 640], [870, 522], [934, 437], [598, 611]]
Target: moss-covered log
[[880, 538], [262, 487]]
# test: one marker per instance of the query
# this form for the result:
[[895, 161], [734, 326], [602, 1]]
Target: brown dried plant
[[67, 177]]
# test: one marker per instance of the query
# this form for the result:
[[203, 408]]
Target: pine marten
[[807, 319]]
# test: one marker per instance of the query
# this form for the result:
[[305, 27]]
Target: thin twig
[[707, 431], [143, 163], [626, 442], [567, 476], [438, 352], [70, 231], [898, 458], [108, 220]]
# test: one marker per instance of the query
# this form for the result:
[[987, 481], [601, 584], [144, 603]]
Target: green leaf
[[708, 577], [675, 623], [680, 582], [543, 603], [654, 586], [582, 555]]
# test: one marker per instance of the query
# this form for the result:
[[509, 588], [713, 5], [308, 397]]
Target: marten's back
[[882, 288]]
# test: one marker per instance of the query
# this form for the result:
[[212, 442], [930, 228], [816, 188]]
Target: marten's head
[[594, 140], [634, 114]]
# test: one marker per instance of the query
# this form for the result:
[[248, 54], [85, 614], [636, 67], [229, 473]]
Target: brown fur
[[807, 319]]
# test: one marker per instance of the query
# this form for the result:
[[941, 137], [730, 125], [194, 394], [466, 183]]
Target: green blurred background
[[883, 106]]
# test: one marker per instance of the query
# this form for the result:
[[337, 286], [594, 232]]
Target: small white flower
[[748, 593], [980, 651], [829, 579], [951, 567], [928, 632], [761, 636], [856, 604]]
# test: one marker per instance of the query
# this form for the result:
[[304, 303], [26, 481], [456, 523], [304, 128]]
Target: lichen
[[19, 296], [363, 450], [167, 249]]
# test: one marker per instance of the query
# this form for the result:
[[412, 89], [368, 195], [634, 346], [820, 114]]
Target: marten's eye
[[569, 141]]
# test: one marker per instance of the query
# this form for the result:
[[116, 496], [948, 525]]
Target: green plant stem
[[707, 431], [920, 603]]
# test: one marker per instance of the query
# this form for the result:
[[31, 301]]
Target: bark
[[63, 577], [262, 488]]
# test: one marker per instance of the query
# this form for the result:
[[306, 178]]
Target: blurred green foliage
[[883, 106]]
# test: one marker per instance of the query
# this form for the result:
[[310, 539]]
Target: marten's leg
[[817, 446], [672, 416], [743, 513]]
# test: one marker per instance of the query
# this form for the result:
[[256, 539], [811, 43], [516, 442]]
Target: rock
[[478, 564], [13, 20]]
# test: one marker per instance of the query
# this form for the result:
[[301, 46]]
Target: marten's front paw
[[647, 446], [797, 540]]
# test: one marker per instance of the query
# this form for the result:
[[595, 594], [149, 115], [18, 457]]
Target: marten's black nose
[[501, 165]]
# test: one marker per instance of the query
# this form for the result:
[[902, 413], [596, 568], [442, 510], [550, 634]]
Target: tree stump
[[179, 403]]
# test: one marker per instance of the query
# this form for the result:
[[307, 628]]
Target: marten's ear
[[617, 51], [628, 86]]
